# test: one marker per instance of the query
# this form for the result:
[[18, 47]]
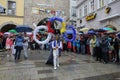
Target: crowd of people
[[104, 47], [14, 44]]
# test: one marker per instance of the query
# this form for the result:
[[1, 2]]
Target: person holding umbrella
[[18, 46], [9, 43]]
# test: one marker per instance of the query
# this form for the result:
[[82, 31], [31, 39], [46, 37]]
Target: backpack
[[19, 41]]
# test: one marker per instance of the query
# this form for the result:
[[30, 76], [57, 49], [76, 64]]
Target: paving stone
[[82, 67], [49, 78], [45, 71]]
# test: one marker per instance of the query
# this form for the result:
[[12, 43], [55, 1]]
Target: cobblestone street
[[82, 67]]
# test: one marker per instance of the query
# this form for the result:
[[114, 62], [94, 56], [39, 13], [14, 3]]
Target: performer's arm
[[53, 47]]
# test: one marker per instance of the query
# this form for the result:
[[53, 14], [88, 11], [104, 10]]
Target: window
[[80, 13], [91, 6], [101, 3], [85, 9], [11, 8], [73, 11]]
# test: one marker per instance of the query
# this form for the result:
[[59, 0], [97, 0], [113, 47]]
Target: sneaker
[[58, 65], [55, 68], [115, 60]]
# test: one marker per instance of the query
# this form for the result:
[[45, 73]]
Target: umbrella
[[107, 29], [112, 27], [100, 30], [23, 28], [7, 33], [91, 32], [13, 31], [84, 29], [29, 33], [111, 32], [69, 31]]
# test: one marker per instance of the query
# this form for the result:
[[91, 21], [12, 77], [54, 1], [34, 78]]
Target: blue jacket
[[19, 41], [78, 43]]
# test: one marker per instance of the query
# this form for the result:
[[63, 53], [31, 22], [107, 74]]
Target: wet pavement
[[81, 67]]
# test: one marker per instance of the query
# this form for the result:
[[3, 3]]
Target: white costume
[[55, 46], [25, 47]]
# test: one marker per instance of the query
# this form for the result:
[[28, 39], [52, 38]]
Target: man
[[98, 48], [56, 44], [116, 42], [18, 46], [25, 45], [105, 48]]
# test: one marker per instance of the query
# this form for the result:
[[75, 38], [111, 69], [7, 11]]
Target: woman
[[9, 43]]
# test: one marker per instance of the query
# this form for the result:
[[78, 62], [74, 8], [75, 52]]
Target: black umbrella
[[23, 28]]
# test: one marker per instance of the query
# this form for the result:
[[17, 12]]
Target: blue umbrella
[[23, 28], [69, 31], [91, 32]]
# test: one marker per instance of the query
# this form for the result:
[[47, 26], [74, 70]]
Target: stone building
[[98, 13], [35, 10]]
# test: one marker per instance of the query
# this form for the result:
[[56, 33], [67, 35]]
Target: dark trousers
[[105, 57], [98, 53], [78, 50], [18, 52], [116, 51]]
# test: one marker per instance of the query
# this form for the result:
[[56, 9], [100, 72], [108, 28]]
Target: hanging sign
[[107, 10], [91, 17]]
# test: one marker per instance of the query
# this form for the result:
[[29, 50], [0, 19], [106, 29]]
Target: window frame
[[13, 9]]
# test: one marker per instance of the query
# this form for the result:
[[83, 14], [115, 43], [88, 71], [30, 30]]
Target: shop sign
[[107, 10], [91, 17]]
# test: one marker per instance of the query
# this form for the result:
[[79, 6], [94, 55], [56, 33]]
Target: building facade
[[98, 13], [12, 14], [36, 10], [73, 12]]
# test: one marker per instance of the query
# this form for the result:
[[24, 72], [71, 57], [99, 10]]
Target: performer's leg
[[58, 61], [55, 58]]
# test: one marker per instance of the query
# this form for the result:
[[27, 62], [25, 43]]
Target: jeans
[[18, 52], [83, 49]]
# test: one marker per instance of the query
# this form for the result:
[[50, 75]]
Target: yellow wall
[[4, 20], [3, 3], [19, 6], [18, 18]]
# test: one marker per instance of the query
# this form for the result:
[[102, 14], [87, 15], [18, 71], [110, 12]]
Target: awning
[[112, 16]]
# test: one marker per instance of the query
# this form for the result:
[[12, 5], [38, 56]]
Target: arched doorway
[[7, 27], [111, 26]]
